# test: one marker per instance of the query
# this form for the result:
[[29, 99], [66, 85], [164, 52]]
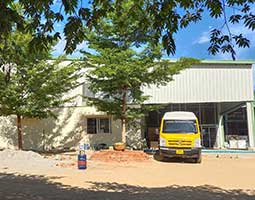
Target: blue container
[[82, 161], [86, 146]]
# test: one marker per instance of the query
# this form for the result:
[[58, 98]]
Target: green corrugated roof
[[237, 62], [228, 61], [248, 62]]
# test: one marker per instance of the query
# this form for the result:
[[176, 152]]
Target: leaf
[[249, 21], [84, 13], [215, 8], [74, 33], [226, 48], [59, 17], [214, 49], [235, 18], [242, 41], [70, 6], [168, 43], [246, 8], [190, 17]]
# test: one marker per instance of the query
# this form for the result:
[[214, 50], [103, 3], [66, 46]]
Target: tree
[[160, 21], [117, 77], [30, 86], [117, 72]]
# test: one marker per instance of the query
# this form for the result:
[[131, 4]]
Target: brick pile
[[119, 156]]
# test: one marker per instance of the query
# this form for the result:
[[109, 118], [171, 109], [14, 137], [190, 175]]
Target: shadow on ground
[[159, 158], [28, 187]]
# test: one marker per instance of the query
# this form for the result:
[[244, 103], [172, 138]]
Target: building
[[220, 93]]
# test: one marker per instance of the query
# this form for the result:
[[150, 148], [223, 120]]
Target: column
[[250, 122], [220, 131]]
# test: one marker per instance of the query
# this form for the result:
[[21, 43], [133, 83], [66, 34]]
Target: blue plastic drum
[[82, 161]]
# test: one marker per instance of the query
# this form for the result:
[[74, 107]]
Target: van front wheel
[[198, 159], [157, 156]]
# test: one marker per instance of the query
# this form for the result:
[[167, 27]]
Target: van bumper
[[187, 152]]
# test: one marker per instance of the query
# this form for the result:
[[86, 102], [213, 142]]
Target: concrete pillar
[[220, 133], [250, 123], [220, 130]]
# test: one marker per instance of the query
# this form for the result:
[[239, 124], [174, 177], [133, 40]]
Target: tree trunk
[[123, 113], [20, 146], [123, 132]]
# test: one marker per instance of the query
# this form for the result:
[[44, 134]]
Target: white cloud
[[235, 29], [249, 34], [241, 53], [204, 38], [240, 29]]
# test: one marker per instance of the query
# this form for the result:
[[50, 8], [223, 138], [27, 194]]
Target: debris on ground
[[69, 160], [119, 156], [66, 164]]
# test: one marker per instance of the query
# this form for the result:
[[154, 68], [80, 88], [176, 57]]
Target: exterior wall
[[8, 132], [77, 92], [67, 131], [206, 83]]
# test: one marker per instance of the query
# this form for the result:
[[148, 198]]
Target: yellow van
[[179, 136]]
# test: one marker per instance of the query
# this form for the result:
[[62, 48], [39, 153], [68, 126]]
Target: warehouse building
[[220, 93]]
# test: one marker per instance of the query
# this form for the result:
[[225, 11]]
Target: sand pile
[[26, 159], [8, 154], [119, 156]]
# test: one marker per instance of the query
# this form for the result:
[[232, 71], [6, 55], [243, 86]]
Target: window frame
[[98, 125]]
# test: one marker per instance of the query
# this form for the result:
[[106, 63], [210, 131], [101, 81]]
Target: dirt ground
[[218, 177]]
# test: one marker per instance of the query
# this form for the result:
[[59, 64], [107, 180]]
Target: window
[[98, 125], [91, 126], [179, 126]]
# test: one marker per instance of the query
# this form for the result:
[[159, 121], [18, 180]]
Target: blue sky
[[192, 41]]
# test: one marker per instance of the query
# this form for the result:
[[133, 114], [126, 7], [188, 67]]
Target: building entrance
[[205, 112]]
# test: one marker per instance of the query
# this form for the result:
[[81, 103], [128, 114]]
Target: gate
[[209, 135]]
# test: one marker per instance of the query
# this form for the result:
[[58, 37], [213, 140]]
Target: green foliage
[[14, 48], [33, 90], [29, 84], [117, 76], [151, 21], [114, 73], [117, 72]]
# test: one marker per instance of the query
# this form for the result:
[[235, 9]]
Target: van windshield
[[179, 126]]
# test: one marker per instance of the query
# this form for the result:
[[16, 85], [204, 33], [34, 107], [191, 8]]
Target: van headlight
[[197, 142], [162, 142]]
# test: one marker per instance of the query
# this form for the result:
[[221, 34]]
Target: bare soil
[[219, 177]]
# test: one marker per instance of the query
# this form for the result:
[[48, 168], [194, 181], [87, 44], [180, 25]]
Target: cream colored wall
[[68, 130], [8, 132]]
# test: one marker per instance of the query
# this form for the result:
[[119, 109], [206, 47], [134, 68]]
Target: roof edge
[[205, 61]]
